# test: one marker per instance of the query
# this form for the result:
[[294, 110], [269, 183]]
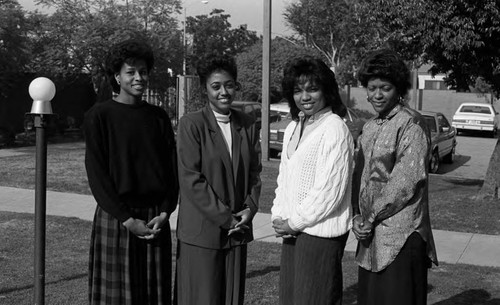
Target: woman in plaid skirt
[[131, 166]]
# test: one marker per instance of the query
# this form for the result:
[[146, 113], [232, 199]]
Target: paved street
[[473, 155]]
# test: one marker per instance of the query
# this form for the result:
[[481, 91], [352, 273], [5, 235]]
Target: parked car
[[443, 139], [282, 108], [277, 129], [476, 117], [255, 110]]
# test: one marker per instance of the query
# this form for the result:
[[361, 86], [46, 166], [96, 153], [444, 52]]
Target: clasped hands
[[283, 229], [362, 229], [144, 230], [240, 221]]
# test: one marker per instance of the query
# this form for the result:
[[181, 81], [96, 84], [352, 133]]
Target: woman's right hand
[[140, 229], [282, 228], [361, 228]]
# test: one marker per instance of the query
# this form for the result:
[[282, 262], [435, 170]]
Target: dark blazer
[[212, 186]]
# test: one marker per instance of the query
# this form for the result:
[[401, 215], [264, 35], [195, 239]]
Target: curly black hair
[[214, 62], [303, 69], [385, 64], [128, 51]]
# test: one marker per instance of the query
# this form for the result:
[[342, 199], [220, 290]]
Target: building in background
[[428, 82]]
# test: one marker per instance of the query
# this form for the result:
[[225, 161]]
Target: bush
[[7, 137]]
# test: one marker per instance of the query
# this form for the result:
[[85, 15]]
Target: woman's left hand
[[243, 217], [283, 229], [156, 224]]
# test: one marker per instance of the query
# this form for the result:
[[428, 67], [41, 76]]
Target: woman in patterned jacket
[[390, 193]]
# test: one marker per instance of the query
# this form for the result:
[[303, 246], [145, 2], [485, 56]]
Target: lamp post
[[42, 90]]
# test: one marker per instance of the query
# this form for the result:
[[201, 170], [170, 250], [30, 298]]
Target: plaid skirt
[[127, 270]]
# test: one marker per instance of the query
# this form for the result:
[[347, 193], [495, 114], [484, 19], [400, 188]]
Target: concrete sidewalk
[[452, 247]]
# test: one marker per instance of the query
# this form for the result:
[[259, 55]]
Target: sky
[[249, 12]]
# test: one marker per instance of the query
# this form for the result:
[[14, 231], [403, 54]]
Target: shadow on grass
[[68, 278], [468, 297], [257, 273], [472, 296], [350, 294], [460, 160]]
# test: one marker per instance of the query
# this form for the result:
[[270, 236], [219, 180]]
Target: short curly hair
[[213, 63], [303, 69], [385, 64], [128, 51]]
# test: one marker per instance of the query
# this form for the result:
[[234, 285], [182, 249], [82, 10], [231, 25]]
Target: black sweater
[[130, 158]]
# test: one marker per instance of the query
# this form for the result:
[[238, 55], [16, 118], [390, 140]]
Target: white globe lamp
[[42, 90]]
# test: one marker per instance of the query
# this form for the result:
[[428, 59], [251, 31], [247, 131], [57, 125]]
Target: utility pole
[[266, 76]]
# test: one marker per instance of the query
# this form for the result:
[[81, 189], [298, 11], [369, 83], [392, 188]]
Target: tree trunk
[[492, 179], [104, 91]]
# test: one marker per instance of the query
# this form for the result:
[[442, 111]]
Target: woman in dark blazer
[[219, 167]]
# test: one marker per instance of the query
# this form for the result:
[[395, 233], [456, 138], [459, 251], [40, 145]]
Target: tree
[[460, 38], [213, 34], [491, 183], [76, 37], [250, 73], [13, 43], [484, 89], [335, 28], [463, 41]]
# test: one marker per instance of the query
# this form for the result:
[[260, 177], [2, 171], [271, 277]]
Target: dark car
[[443, 139], [277, 130], [254, 109]]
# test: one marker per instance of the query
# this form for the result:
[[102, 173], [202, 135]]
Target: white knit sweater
[[314, 185]]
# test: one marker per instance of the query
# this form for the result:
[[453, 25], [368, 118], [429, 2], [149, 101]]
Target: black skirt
[[126, 270], [311, 270], [210, 276], [404, 281]]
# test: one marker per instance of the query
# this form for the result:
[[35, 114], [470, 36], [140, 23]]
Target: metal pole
[[415, 86], [420, 99], [348, 97], [40, 208], [266, 76], [184, 45]]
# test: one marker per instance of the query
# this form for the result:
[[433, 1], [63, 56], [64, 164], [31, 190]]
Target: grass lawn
[[452, 207], [452, 203], [67, 259]]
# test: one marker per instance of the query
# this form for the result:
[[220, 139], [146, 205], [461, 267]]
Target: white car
[[282, 108], [476, 117]]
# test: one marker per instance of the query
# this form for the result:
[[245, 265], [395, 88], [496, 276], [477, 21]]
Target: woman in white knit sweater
[[312, 208]]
